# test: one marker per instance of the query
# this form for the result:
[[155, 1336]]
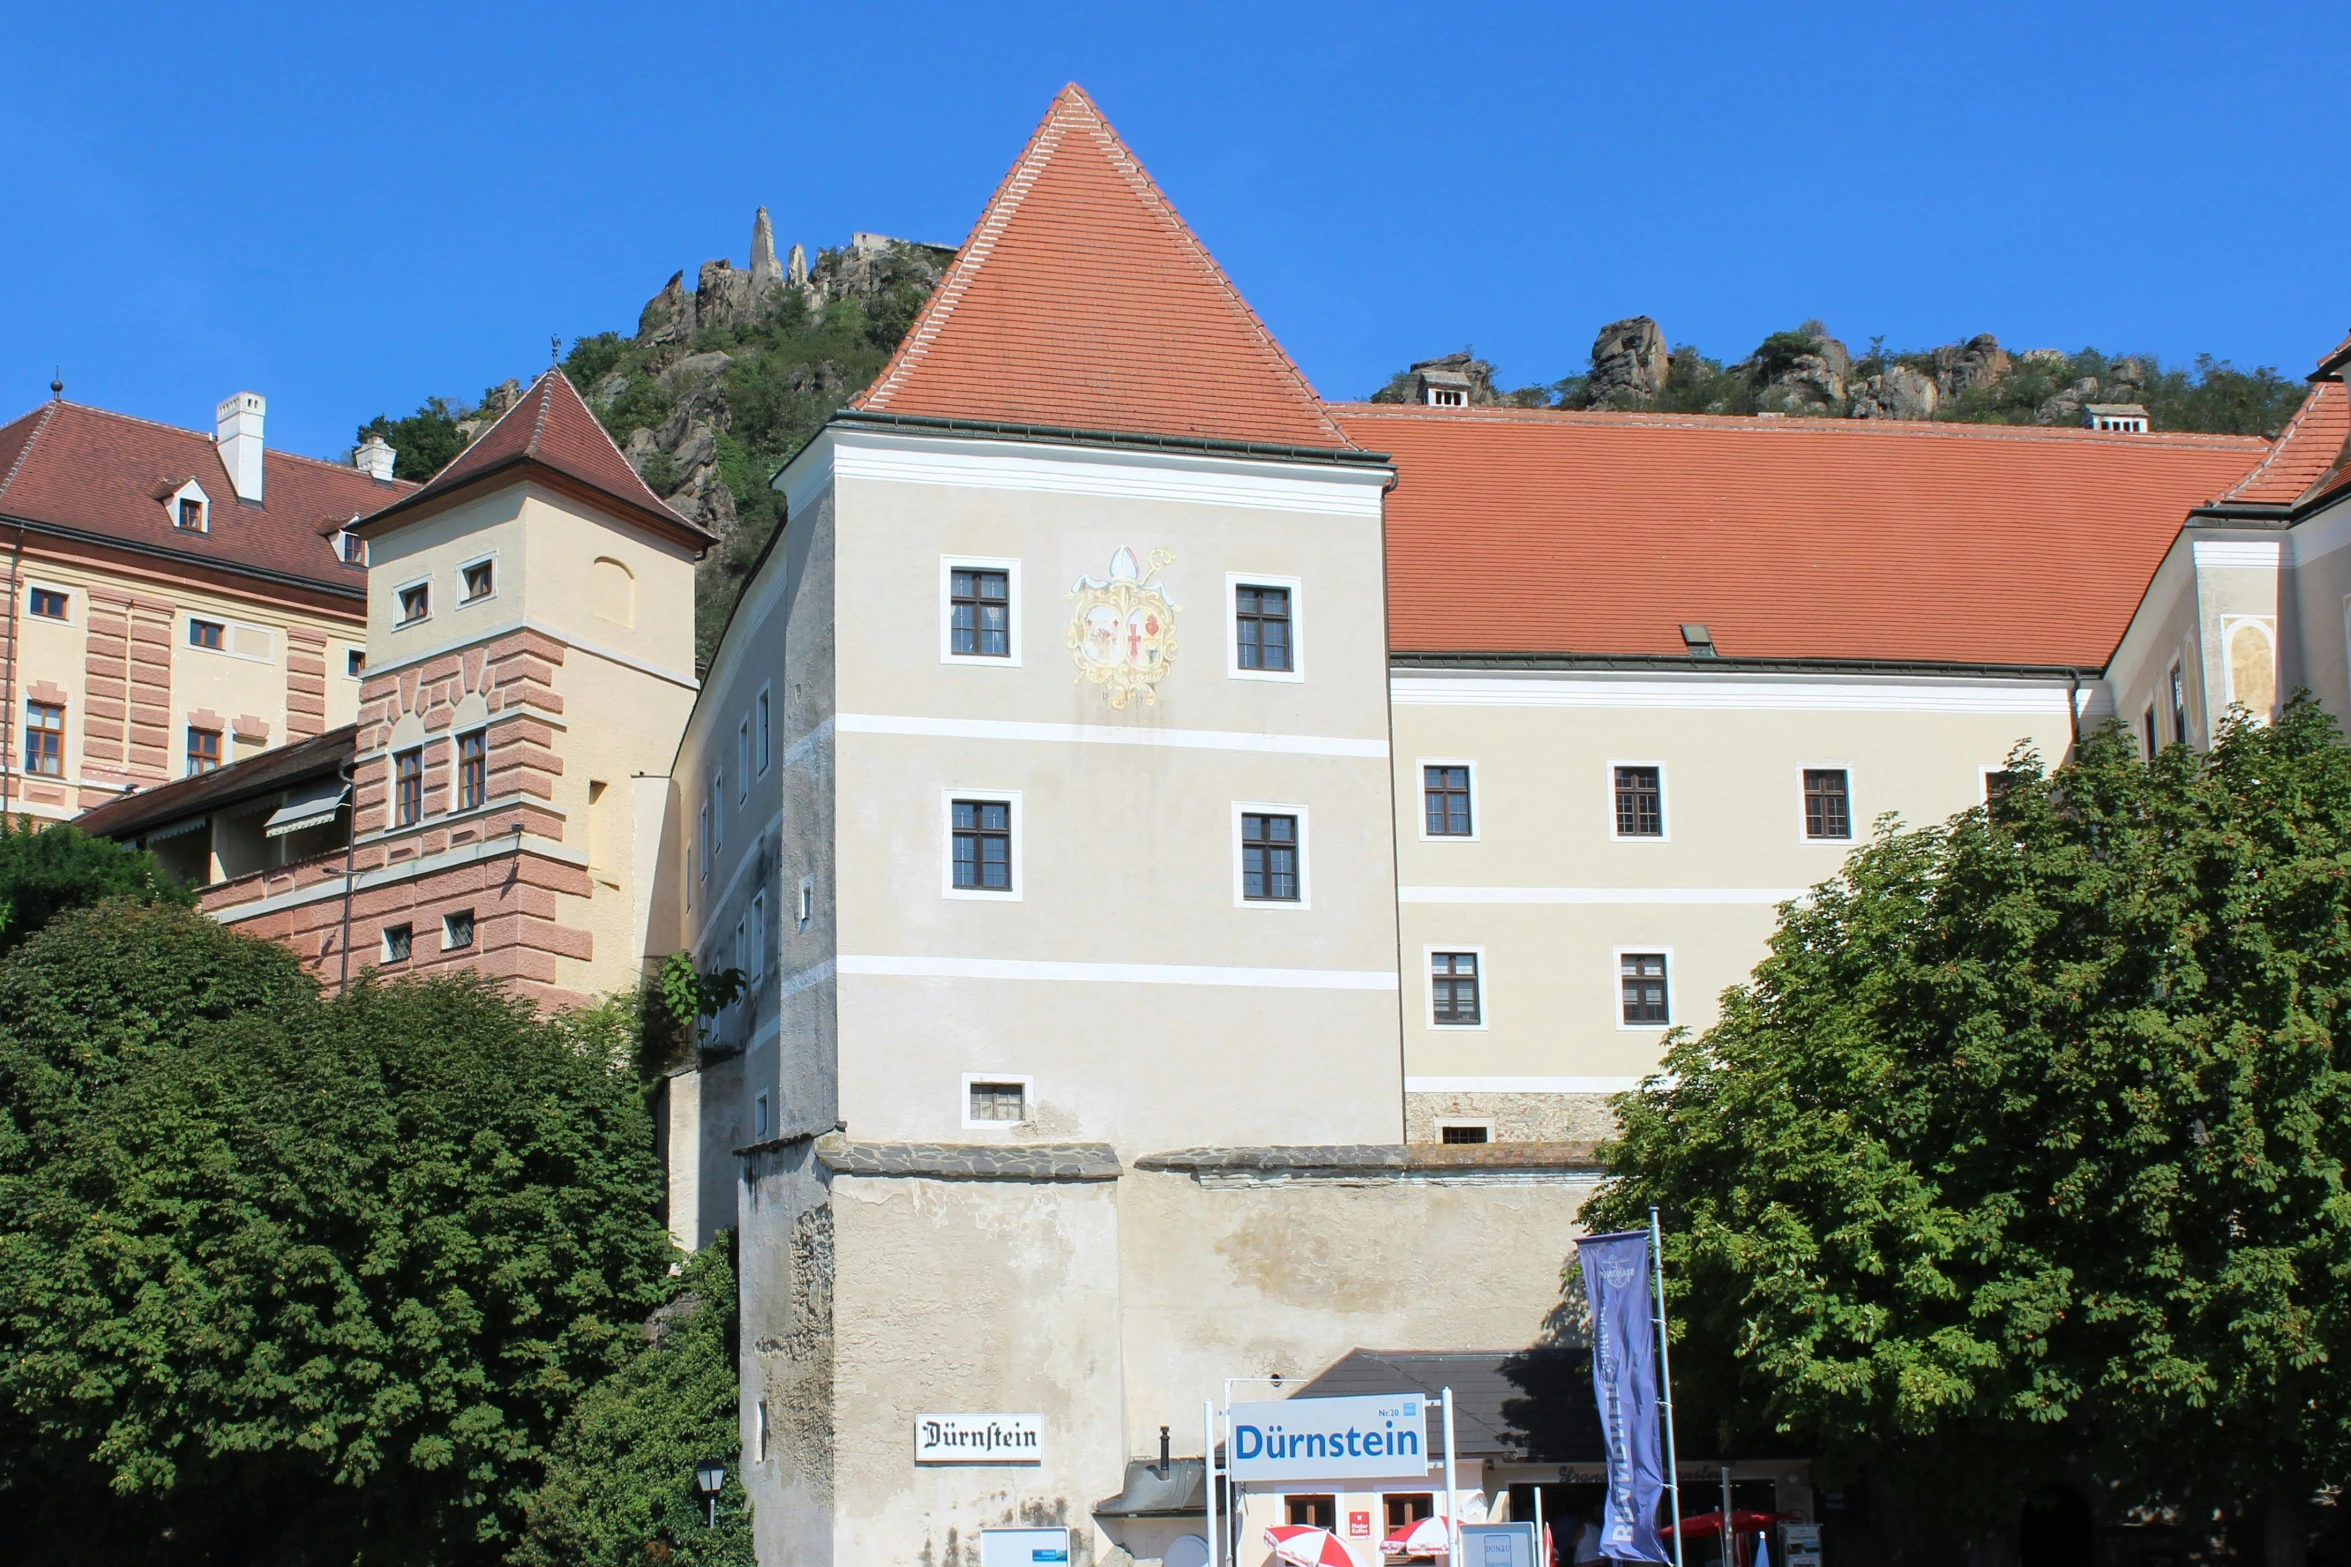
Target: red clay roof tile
[[1527, 532], [73, 466], [1081, 300], [2311, 441]]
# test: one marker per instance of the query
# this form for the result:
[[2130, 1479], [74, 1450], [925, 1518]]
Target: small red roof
[[550, 429], [1518, 531], [72, 466], [1082, 301], [2310, 443]]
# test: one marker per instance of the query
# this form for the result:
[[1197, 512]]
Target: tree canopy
[[47, 869], [2023, 1150], [285, 1279]]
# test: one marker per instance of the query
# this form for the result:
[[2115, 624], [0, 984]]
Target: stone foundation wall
[[1512, 1118]]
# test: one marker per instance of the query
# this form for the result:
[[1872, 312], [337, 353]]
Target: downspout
[[8, 694], [350, 843], [2073, 709]]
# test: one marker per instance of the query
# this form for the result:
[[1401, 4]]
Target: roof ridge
[[546, 396], [2284, 441], [44, 417], [1633, 418]]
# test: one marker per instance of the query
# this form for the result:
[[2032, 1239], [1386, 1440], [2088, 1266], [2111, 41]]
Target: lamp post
[[710, 1477]]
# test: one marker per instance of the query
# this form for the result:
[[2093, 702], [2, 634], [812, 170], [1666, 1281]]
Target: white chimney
[[237, 431], [373, 458]]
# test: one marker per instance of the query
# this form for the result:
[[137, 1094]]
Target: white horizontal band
[[1766, 897], [1520, 1085], [2239, 552], [1108, 734], [1040, 467], [1119, 973], [1754, 693]]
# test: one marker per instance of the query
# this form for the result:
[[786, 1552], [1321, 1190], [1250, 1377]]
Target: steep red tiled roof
[[551, 428], [2306, 448], [73, 466], [1518, 531], [1081, 300]]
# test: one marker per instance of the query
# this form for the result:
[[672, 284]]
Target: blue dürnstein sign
[[1330, 1438], [1624, 1381]]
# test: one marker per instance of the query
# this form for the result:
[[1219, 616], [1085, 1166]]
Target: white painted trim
[[1043, 467], [1477, 815], [1673, 999], [1635, 896], [1664, 833], [799, 750], [1755, 693], [1428, 989], [1305, 898], [1853, 816], [27, 585], [1107, 734], [1520, 1085], [1028, 1100], [488, 558], [1234, 581], [570, 643], [425, 582], [948, 565], [1018, 843], [807, 979], [2266, 554], [912, 967], [407, 870]]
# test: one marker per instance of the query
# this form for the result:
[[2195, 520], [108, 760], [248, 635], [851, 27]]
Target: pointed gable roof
[[2310, 442], [551, 433], [1081, 301]]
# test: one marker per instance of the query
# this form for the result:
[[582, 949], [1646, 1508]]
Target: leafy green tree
[[618, 1491], [2023, 1150], [424, 442], [291, 1280], [45, 871]]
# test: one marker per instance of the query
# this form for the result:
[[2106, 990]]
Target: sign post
[[1208, 1478], [1625, 1387], [1673, 1463], [1452, 1498]]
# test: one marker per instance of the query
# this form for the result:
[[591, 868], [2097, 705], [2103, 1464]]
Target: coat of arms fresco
[[1122, 633]]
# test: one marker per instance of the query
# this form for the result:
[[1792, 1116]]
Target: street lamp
[[710, 1477]]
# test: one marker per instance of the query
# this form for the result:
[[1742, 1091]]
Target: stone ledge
[[971, 1161], [1358, 1161]]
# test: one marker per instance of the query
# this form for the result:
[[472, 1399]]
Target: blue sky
[[349, 210]]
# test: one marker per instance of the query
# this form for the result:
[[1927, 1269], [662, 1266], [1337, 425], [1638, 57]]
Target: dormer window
[[351, 547], [191, 517], [480, 580], [2116, 418], [1448, 397], [416, 602]]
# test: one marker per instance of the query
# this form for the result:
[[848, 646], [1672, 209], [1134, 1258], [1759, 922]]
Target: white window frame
[[1234, 581], [344, 538], [1428, 989], [1852, 838], [1011, 570], [188, 491], [743, 759], [758, 936], [766, 728], [384, 941], [762, 1126], [1664, 802], [1020, 881], [1028, 1100], [1477, 815], [1305, 898], [1673, 996], [67, 619], [446, 944], [348, 672], [400, 592], [489, 559]]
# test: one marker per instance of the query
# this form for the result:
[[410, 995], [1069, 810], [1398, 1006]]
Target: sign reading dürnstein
[[1122, 632], [979, 1439]]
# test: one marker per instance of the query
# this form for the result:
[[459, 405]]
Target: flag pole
[[1673, 1466], [1208, 1479]]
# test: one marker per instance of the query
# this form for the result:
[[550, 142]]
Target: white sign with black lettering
[[979, 1439]]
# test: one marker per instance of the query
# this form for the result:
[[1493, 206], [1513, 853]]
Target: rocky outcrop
[[494, 402], [1801, 372], [763, 253], [1897, 392], [1629, 365], [668, 317], [1959, 367]]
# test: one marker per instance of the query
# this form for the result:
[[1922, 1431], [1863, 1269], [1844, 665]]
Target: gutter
[[183, 558], [1683, 664], [1348, 457]]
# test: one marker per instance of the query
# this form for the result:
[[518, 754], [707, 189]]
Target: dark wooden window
[[1828, 809], [1261, 624], [481, 580], [456, 930], [1269, 858], [1453, 988], [44, 739], [1408, 1509], [980, 613], [1644, 987], [2147, 731], [206, 633], [47, 603], [1444, 795], [2179, 704], [192, 515], [203, 749], [473, 769], [999, 1102], [354, 548], [1997, 785], [1315, 1512], [1462, 1134], [408, 782], [398, 940], [983, 845], [416, 602], [1640, 803]]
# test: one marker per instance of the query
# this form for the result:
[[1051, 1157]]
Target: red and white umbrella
[[1303, 1545], [1422, 1537]]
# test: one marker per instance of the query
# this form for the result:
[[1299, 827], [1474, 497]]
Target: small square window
[[480, 581], [456, 930], [1453, 990], [979, 613], [354, 662], [203, 750], [1261, 627], [191, 514], [207, 634], [1463, 1134], [983, 845], [354, 547], [397, 940], [1828, 809], [1640, 802], [1445, 801], [416, 602], [1315, 1512], [1269, 858], [1643, 976], [999, 1102], [408, 786], [47, 603]]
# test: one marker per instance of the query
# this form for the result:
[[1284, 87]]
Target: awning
[[176, 828], [310, 805]]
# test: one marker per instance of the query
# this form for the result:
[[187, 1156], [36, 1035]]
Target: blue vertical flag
[[1624, 1380]]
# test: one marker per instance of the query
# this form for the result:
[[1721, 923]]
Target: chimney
[[373, 458], [237, 431]]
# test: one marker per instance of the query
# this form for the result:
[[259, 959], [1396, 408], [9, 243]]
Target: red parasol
[[1303, 1545], [1711, 1523]]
